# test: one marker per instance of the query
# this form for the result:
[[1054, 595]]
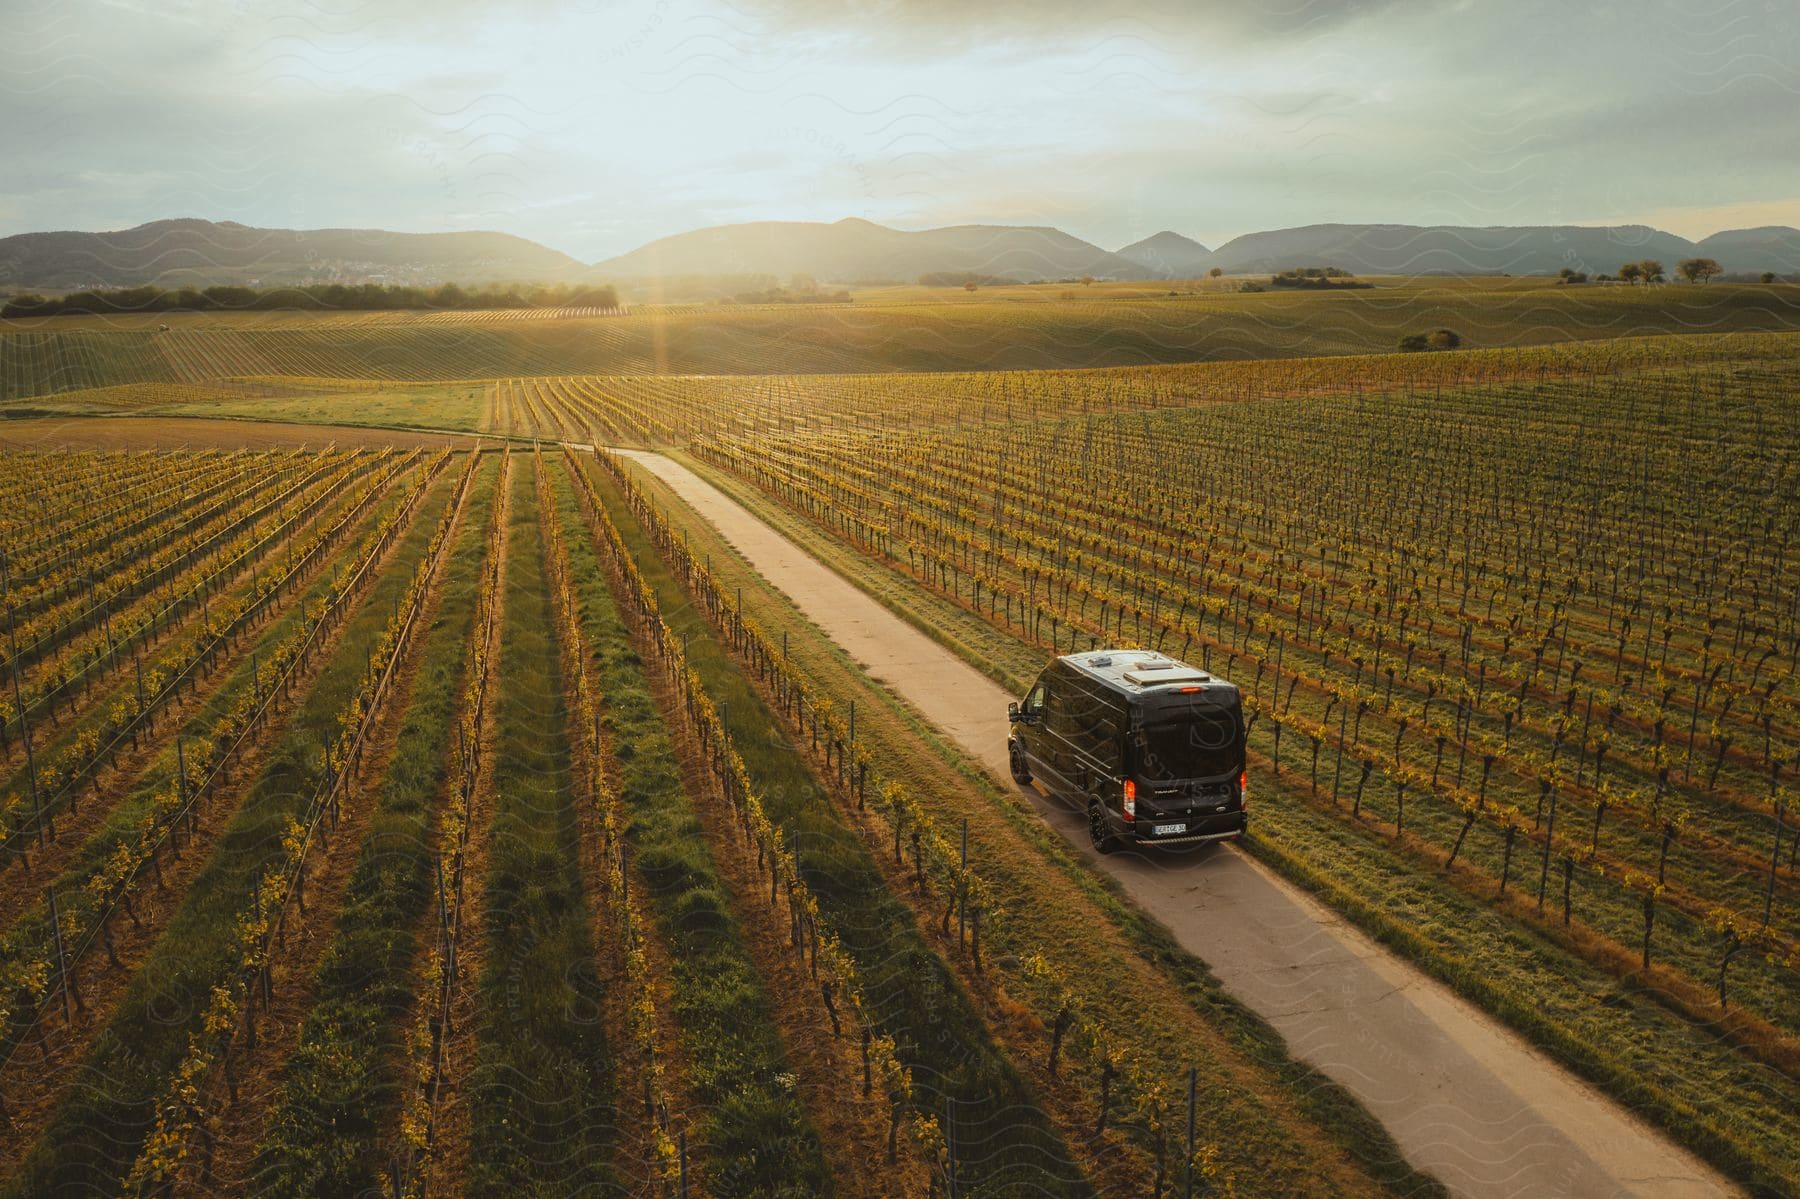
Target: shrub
[[1437, 339]]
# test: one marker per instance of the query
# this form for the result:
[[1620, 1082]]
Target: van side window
[[1087, 721], [1034, 703], [1095, 725], [1109, 740], [1056, 711]]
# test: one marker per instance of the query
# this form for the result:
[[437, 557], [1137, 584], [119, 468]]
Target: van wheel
[[1098, 833], [1021, 773]]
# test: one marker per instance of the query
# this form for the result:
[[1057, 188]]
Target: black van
[[1153, 748]]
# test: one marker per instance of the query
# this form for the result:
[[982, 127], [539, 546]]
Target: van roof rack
[[1138, 668], [1164, 674]]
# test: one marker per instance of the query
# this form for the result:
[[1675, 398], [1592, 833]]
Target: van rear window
[[1198, 743]]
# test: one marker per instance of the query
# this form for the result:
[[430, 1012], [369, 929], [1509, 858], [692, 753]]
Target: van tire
[[1021, 773], [1098, 832]]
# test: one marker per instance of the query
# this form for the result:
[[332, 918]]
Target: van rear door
[[1189, 743], [1187, 757]]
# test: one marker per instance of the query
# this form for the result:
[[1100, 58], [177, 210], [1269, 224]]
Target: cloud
[[1205, 25], [595, 126]]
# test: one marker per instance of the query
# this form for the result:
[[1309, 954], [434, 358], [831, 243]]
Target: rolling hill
[[1767, 248], [1452, 249], [857, 251], [1169, 254], [196, 252]]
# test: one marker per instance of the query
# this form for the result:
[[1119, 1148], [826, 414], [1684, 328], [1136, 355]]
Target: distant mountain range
[[1765, 248], [180, 253], [858, 251], [1170, 255], [1496, 249], [196, 252]]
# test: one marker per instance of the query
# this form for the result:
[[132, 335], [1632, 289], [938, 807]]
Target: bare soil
[[448, 1163], [36, 1083], [294, 964], [21, 885], [635, 1149], [853, 1129]]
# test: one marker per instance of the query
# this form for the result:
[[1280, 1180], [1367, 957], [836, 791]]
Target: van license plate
[[1164, 830]]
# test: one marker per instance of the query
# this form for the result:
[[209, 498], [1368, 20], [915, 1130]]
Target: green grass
[[343, 1085], [120, 826], [1007, 1144], [754, 1131], [97, 1131], [956, 333], [542, 1091], [1741, 1116], [170, 658], [456, 406], [996, 653], [116, 571], [1270, 1155]]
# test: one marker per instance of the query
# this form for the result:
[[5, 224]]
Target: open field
[[107, 434], [1432, 1070], [420, 821], [641, 410], [45, 356], [1666, 835], [439, 406], [418, 817]]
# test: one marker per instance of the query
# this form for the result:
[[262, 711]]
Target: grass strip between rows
[[960, 1079], [97, 1132], [756, 1133], [1066, 964], [1664, 1067], [343, 1085], [543, 1104]]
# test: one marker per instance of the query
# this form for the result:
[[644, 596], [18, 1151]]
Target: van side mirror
[[1012, 712]]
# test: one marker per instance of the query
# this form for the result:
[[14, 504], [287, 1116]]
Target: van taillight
[[1130, 805], [1244, 790]]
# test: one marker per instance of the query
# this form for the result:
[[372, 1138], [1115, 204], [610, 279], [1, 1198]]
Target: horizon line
[[896, 229]]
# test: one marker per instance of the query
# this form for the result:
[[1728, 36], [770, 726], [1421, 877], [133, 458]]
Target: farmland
[[887, 330], [401, 796], [1621, 803]]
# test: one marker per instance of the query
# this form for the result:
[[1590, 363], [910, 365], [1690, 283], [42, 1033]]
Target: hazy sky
[[594, 126]]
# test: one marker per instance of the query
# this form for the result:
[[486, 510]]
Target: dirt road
[[1466, 1099]]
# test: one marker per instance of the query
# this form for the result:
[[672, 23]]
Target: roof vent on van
[[1100, 661], [1162, 675]]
